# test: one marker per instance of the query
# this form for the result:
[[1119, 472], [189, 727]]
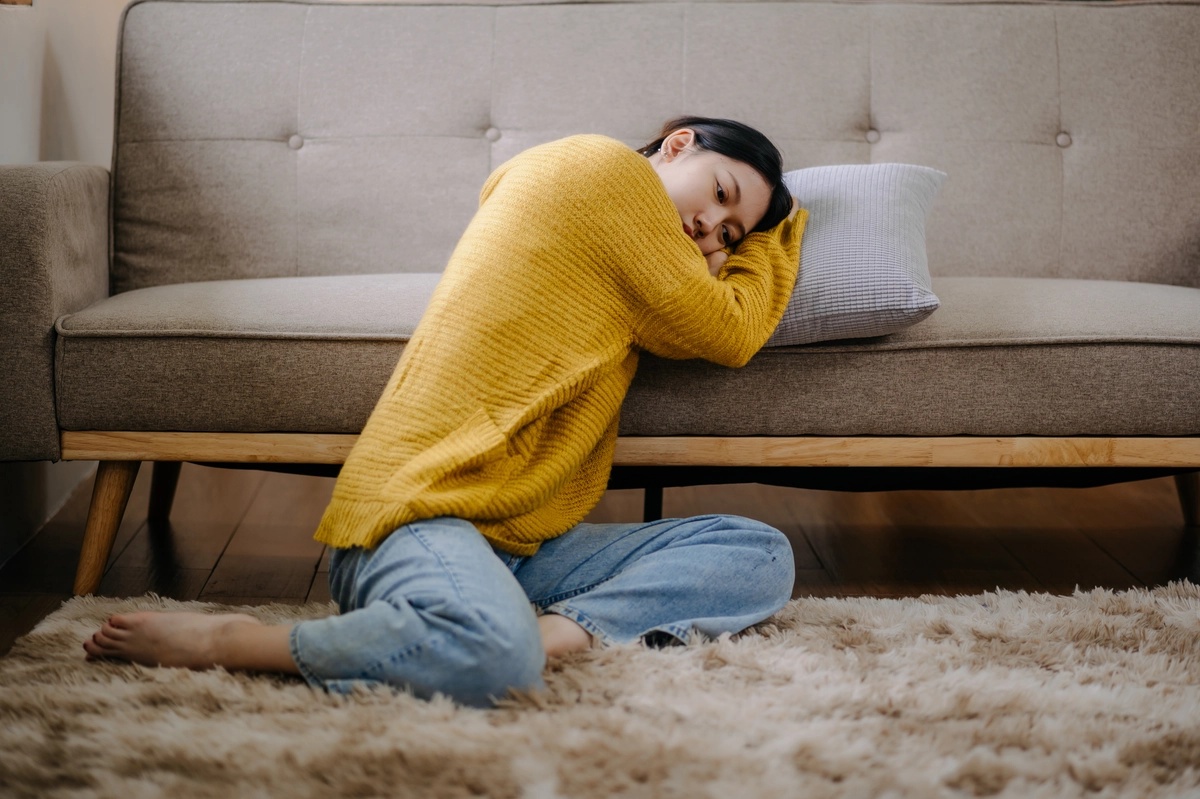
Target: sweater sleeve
[[727, 319], [612, 224]]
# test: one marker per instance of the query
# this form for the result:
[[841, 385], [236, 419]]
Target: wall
[[22, 51], [57, 67]]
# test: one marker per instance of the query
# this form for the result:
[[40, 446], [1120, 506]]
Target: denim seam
[[367, 673], [554, 599], [415, 531], [403, 653], [294, 645], [675, 630]]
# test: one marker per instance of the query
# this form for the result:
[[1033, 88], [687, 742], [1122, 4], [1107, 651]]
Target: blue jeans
[[436, 609]]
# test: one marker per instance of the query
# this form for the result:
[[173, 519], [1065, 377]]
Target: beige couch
[[289, 177]]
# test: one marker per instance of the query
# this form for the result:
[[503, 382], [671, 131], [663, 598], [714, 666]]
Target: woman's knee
[[468, 653], [500, 658], [765, 559], [472, 655]]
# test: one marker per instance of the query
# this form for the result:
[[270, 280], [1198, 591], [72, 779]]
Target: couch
[[289, 177]]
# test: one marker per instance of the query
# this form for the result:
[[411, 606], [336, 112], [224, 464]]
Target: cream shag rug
[[1001, 694]]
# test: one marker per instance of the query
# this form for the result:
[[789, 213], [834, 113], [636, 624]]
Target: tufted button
[[296, 141], [1063, 139], [492, 134], [872, 136]]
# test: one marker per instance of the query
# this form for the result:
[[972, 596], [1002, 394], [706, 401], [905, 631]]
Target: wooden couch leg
[[1188, 486], [114, 481], [162, 490]]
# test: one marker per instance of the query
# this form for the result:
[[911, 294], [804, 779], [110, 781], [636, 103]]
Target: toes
[[105, 641], [114, 633], [93, 649], [100, 645]]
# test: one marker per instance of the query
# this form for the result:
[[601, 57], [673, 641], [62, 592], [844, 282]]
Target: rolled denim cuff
[[305, 670]]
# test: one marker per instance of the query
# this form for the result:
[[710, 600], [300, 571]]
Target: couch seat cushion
[[287, 354], [1003, 356]]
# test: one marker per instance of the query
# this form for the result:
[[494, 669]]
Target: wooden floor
[[245, 537]]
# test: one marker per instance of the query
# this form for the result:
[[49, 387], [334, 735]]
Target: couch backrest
[[262, 139]]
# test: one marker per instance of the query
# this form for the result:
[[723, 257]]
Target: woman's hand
[[716, 260]]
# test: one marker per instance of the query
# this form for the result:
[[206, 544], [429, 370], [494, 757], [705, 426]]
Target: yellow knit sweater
[[503, 408]]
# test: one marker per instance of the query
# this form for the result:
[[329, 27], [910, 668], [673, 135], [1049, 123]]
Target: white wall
[[22, 48], [57, 78]]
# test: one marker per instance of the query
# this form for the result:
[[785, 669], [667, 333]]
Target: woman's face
[[719, 199]]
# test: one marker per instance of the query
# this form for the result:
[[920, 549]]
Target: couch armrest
[[53, 261]]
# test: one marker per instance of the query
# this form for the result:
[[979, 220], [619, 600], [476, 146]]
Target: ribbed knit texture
[[503, 408]]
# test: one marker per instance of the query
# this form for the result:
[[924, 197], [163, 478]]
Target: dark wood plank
[[777, 506], [175, 558], [172, 583], [941, 531], [906, 543], [814, 583], [13, 622], [318, 590], [273, 553], [1140, 526], [1040, 528], [209, 505], [857, 544], [46, 564], [278, 576], [20, 613]]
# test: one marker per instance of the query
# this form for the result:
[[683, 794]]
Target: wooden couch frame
[[121, 454]]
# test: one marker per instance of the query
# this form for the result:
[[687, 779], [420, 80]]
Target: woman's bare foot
[[189, 640]]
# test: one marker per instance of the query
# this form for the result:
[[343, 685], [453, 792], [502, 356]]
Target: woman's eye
[[725, 237], [720, 194]]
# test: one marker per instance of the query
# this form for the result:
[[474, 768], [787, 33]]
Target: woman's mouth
[[687, 230]]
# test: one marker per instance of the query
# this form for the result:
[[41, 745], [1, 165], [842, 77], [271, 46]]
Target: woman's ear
[[676, 142]]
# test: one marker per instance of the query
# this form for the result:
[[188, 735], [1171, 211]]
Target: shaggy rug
[[1000, 694]]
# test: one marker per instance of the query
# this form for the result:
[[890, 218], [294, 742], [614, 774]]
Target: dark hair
[[741, 143]]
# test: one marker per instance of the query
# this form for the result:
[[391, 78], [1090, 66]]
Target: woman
[[459, 561]]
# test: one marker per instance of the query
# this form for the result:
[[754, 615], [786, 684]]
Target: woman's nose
[[717, 215]]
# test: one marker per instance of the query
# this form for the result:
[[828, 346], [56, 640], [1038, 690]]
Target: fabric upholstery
[[297, 354], [298, 138], [1003, 356], [53, 260], [863, 270], [329, 147], [320, 308]]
